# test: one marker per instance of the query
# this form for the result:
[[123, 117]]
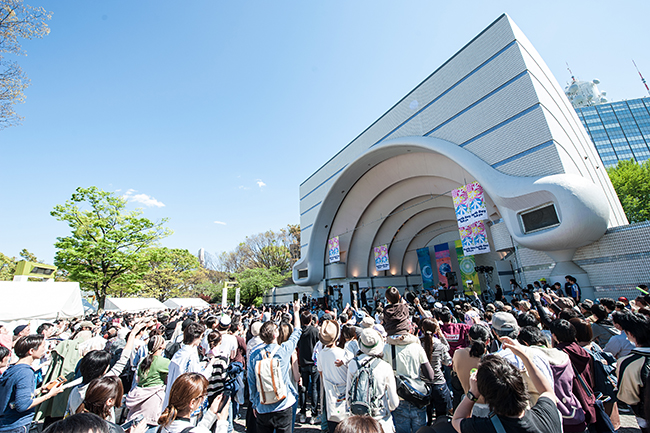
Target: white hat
[[225, 321], [255, 328], [371, 343]]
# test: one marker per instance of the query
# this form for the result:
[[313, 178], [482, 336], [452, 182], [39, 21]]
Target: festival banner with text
[[467, 272], [424, 258], [381, 258], [335, 254], [469, 205]]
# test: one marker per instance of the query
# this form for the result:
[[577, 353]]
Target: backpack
[[415, 391], [364, 394], [605, 380], [171, 349], [268, 378]]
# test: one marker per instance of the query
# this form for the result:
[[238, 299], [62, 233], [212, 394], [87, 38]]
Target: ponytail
[[168, 416], [477, 349], [155, 343]]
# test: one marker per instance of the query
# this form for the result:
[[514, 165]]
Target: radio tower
[[642, 79]]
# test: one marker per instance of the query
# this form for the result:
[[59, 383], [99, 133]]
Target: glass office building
[[620, 130]]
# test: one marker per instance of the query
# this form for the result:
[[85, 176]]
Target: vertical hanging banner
[[443, 262], [467, 272], [469, 205], [476, 203], [459, 197], [381, 258], [424, 258], [335, 253]]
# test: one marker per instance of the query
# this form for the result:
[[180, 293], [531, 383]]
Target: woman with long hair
[[186, 396], [146, 399], [437, 349], [348, 340], [468, 358], [285, 330], [102, 396]]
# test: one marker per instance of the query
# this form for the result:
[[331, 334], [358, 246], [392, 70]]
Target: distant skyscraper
[[620, 130], [201, 256]]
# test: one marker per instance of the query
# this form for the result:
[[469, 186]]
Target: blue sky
[[211, 113]]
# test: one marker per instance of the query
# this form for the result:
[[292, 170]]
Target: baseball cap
[[504, 323]]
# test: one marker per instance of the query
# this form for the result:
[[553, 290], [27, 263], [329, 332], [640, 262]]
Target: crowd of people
[[539, 362]]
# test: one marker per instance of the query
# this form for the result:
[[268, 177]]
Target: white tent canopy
[[133, 304], [186, 303], [29, 300]]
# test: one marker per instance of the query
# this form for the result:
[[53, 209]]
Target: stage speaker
[[446, 295], [452, 280]]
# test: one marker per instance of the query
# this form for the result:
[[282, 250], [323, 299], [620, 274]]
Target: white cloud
[[260, 183], [142, 198], [220, 223], [243, 187]]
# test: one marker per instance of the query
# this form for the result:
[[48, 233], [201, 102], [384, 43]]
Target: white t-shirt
[[408, 359], [332, 373], [229, 344]]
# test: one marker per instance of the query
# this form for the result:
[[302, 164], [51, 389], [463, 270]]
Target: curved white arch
[[581, 206]]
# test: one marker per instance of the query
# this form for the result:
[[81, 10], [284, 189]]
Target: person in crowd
[[348, 340], [275, 416], [146, 399], [505, 325], [102, 396], [564, 338], [186, 396], [467, 358], [285, 330], [573, 417], [5, 359], [407, 357], [79, 423], [633, 370], [18, 386], [437, 350], [504, 389], [186, 360], [333, 378], [308, 370], [619, 345], [371, 345], [359, 424], [573, 289], [5, 337], [95, 364], [602, 328]]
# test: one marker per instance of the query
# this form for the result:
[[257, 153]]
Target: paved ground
[[628, 425]]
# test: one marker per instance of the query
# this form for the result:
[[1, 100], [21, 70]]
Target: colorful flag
[[424, 258], [335, 254], [381, 258], [443, 262], [467, 272], [476, 202], [461, 206]]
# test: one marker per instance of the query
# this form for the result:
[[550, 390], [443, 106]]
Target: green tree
[[17, 21], [7, 267], [171, 274], [632, 184], [256, 281], [107, 245]]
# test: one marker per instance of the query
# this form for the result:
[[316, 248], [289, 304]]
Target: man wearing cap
[[229, 342], [333, 378], [505, 325], [21, 331], [545, 285]]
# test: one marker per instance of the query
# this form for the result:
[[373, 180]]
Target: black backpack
[[416, 392]]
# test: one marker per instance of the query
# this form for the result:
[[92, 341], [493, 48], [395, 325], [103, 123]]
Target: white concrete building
[[492, 113]]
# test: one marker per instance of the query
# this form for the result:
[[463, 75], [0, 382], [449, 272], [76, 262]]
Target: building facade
[[619, 130], [493, 114]]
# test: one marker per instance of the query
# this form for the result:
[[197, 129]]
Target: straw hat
[[329, 332]]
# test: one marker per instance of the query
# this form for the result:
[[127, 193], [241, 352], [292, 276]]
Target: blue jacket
[[17, 386], [284, 354]]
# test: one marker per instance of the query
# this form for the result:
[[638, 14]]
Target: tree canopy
[[255, 282], [106, 249], [632, 184], [17, 21], [171, 273]]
